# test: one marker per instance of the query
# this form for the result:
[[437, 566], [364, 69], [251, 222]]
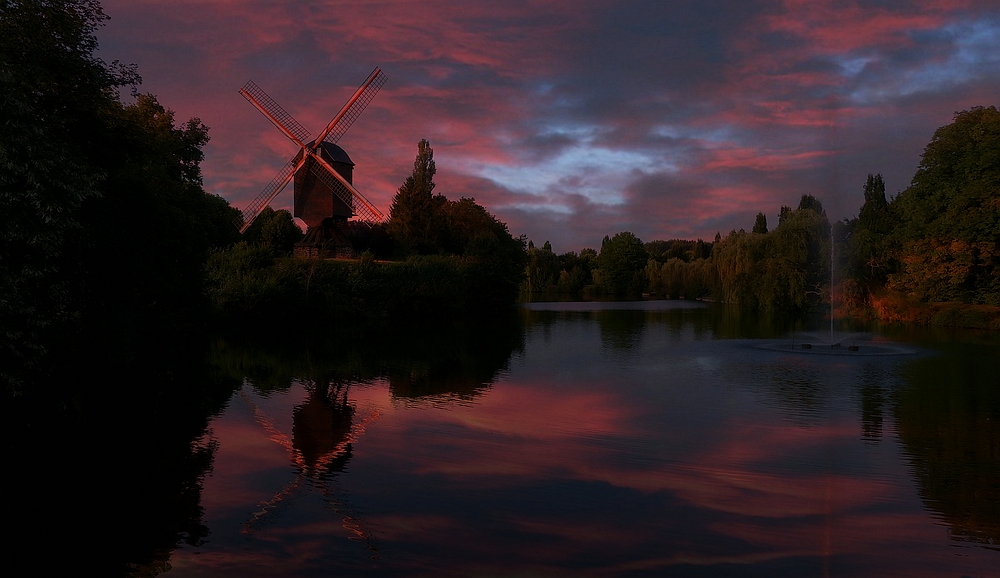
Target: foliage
[[463, 222], [138, 261], [809, 203], [954, 193], [275, 230], [414, 216], [248, 287], [105, 225], [682, 249], [867, 237], [782, 270], [957, 270], [622, 262], [422, 223], [575, 271], [53, 89], [542, 269], [937, 240], [949, 216], [372, 238], [678, 279], [494, 264], [783, 213], [242, 279], [760, 224]]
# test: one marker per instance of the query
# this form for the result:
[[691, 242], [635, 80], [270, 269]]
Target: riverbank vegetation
[[433, 256], [928, 255], [780, 270]]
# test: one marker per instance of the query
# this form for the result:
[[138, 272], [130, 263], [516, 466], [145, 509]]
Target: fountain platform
[[847, 345]]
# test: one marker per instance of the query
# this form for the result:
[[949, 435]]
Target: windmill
[[322, 171]]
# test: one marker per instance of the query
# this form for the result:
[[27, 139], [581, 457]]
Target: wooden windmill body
[[322, 172]]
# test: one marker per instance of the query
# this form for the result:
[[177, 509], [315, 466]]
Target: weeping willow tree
[[781, 270]]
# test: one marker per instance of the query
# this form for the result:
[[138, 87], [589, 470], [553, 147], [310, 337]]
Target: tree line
[[781, 269], [936, 241]]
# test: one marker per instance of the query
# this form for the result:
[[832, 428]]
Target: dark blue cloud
[[574, 119]]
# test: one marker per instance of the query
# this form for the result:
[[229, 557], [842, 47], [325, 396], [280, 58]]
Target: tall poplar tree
[[760, 224], [414, 216], [869, 235]]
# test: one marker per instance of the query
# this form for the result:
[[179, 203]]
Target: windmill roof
[[336, 153]]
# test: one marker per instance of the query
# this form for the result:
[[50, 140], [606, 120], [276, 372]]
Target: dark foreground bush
[[248, 285]]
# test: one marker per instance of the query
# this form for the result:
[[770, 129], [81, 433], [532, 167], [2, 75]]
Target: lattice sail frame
[[285, 122], [361, 206], [355, 106]]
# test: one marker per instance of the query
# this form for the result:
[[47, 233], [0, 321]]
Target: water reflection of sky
[[661, 452]]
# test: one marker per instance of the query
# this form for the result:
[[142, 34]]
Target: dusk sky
[[572, 120]]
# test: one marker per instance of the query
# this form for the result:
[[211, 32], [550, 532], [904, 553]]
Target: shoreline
[[897, 308]]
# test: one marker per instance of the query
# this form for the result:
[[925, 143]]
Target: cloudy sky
[[574, 119]]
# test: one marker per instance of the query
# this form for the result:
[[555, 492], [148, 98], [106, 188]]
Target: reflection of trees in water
[[730, 322], [948, 417], [437, 358], [946, 411], [874, 386], [799, 386], [106, 464], [622, 330]]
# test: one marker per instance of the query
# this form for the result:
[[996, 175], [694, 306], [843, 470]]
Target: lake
[[596, 439]]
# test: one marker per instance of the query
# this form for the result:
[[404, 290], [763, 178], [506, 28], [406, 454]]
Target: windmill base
[[324, 241]]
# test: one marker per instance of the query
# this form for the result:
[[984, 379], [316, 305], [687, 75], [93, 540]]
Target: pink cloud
[[743, 157], [843, 27], [800, 89]]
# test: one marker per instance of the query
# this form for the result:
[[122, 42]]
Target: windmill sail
[[270, 191], [354, 107], [273, 111], [351, 197]]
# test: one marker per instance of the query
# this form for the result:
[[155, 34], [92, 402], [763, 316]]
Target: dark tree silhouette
[[760, 224], [106, 225], [622, 261], [414, 222]]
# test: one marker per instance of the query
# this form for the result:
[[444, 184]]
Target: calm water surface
[[603, 440]]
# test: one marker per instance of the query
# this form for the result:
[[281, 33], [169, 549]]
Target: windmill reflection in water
[[324, 427]]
